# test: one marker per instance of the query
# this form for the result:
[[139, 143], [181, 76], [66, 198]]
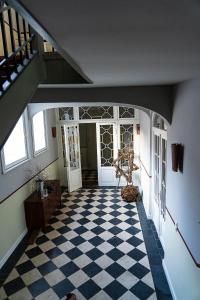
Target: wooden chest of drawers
[[38, 211]]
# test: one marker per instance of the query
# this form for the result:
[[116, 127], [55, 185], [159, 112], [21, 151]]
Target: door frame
[[157, 214]]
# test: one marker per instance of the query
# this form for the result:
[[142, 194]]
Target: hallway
[[94, 247]]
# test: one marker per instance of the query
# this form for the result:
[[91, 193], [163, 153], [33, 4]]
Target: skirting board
[[12, 249], [169, 280]]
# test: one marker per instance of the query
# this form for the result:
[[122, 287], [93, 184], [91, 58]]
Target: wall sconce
[[177, 157], [53, 130], [138, 128]]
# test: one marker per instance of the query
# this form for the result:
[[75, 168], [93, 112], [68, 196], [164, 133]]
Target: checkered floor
[[93, 247]]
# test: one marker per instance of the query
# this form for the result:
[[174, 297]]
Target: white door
[[106, 153], [159, 174], [72, 145]]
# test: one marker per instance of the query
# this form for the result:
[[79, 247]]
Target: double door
[[110, 138]]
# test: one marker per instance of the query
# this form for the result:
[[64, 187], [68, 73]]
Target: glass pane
[[66, 113], [126, 112], [106, 145], [96, 112], [73, 142], [15, 147], [39, 132]]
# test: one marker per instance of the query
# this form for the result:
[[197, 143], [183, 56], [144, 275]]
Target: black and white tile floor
[[93, 246]]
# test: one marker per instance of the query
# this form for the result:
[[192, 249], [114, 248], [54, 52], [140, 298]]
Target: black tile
[[96, 241], [85, 213], [136, 254], [77, 240], [38, 287], [115, 221], [63, 288], [73, 253], [92, 269], [53, 220], [59, 240], [134, 241], [83, 221], [99, 221], [25, 267], [89, 289], [115, 270], [115, 230], [63, 229], [34, 252], [97, 230], [94, 254], [115, 254], [52, 253], [115, 290], [141, 290], [115, 241], [80, 230], [46, 268], [69, 269], [14, 286], [139, 270], [42, 239], [133, 230]]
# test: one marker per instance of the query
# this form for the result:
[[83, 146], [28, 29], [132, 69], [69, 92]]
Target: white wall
[[183, 195], [145, 157]]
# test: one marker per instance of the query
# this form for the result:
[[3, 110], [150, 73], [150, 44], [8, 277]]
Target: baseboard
[[169, 281], [12, 249]]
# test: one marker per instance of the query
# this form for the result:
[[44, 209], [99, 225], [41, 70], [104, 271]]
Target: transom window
[[39, 132], [15, 149]]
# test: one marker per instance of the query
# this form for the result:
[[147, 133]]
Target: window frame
[[15, 164], [40, 151]]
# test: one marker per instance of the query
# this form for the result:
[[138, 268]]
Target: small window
[[39, 132], [15, 149]]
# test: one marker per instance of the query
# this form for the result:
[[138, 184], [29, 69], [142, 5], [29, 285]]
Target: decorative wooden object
[[130, 192], [177, 157], [38, 211]]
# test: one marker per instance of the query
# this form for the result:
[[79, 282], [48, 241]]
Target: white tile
[[57, 225], [2, 293], [142, 248], [47, 246], [85, 247], [127, 279], [107, 225], [31, 276], [145, 262], [54, 277], [148, 280], [78, 278], [48, 295], [126, 262], [52, 234], [22, 294], [106, 235], [76, 217], [128, 296], [13, 275], [82, 261], [89, 226], [104, 261], [61, 260], [107, 217], [40, 259], [152, 297], [123, 235], [102, 279], [123, 225], [125, 247], [22, 259], [66, 246], [70, 235], [123, 217], [105, 247]]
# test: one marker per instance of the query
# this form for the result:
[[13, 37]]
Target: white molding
[[12, 249], [169, 280]]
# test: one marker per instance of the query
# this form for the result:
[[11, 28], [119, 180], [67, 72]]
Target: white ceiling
[[121, 42]]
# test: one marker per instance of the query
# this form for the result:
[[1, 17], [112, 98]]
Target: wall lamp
[[177, 157], [138, 128]]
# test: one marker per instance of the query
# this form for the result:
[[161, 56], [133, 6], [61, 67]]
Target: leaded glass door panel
[[106, 153], [72, 145]]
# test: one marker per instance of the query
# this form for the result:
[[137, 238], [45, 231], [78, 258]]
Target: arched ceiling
[[131, 42]]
